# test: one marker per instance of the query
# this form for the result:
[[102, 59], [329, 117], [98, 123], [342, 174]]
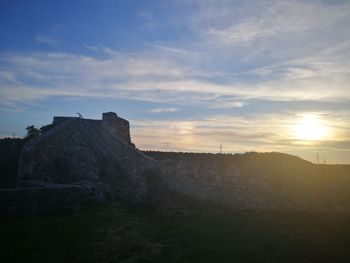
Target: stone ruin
[[83, 159]]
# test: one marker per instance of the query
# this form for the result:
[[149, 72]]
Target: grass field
[[117, 232]]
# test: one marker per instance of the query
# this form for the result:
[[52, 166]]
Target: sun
[[310, 127]]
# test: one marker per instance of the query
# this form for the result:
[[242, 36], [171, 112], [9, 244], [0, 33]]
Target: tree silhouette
[[31, 131]]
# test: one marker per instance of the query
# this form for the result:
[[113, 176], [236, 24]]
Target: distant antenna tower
[[220, 148]]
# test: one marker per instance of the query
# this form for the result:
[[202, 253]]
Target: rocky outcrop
[[96, 155]]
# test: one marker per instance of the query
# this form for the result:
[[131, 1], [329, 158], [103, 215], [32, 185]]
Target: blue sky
[[188, 75]]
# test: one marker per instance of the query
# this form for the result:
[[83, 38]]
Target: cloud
[[242, 33], [43, 39], [101, 48], [147, 16], [233, 57], [267, 50], [263, 132], [158, 78], [225, 104], [161, 110], [238, 24], [268, 131]]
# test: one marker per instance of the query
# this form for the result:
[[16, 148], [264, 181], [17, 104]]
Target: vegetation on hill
[[237, 158], [33, 131], [160, 155], [10, 149], [269, 163]]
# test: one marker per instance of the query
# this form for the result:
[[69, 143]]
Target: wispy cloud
[[226, 104], [123, 74], [101, 48], [284, 57], [161, 110], [147, 16], [46, 40], [232, 23]]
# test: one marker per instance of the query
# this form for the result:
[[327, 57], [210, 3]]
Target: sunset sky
[[188, 75]]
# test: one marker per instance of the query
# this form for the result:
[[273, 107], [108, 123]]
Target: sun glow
[[310, 127]]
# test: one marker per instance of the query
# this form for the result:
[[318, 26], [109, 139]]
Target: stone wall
[[90, 154], [117, 125], [243, 186], [60, 119], [110, 121]]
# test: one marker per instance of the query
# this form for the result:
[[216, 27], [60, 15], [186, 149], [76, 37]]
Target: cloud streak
[[62, 73], [161, 110], [46, 40]]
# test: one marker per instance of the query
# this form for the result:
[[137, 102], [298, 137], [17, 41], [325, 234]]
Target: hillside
[[257, 180], [270, 163]]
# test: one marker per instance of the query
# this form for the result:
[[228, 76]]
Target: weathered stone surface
[[95, 154], [242, 187]]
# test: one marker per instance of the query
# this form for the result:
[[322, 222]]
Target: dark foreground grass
[[120, 233]]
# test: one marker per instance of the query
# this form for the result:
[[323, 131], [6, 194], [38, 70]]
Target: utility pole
[[220, 149], [318, 160]]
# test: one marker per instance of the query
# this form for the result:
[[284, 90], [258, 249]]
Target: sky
[[189, 75]]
